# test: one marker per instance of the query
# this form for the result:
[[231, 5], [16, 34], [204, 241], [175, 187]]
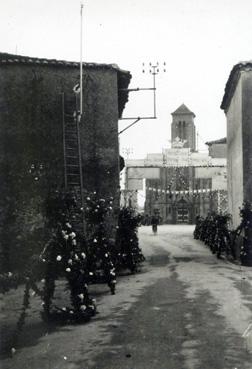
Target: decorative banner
[[177, 157], [199, 159], [199, 191], [141, 173]]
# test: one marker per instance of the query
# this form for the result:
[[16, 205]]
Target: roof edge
[[183, 110], [232, 81], [220, 141], [10, 59]]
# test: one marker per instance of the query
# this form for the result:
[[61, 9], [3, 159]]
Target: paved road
[[185, 310]]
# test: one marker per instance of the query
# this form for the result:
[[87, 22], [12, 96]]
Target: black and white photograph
[[126, 184]]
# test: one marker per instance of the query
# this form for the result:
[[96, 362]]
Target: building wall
[[31, 133], [218, 150], [247, 134], [99, 134], [234, 154]]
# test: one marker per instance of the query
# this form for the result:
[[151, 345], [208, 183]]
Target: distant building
[[189, 183], [217, 148]]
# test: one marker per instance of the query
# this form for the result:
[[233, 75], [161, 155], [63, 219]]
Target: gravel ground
[[184, 310]]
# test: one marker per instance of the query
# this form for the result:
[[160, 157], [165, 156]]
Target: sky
[[199, 40]]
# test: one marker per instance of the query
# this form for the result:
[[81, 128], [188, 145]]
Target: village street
[[185, 310]]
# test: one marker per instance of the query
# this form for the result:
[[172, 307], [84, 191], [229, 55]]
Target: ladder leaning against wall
[[73, 179]]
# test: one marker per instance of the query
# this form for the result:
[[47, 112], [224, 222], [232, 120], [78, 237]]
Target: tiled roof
[[220, 141], [10, 59], [183, 109], [232, 82], [123, 76]]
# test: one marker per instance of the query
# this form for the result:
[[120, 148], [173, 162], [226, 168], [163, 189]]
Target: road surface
[[185, 310]]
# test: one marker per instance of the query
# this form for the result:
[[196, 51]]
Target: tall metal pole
[[154, 88], [79, 118], [81, 36]]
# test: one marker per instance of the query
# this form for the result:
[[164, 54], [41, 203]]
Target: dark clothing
[[154, 220]]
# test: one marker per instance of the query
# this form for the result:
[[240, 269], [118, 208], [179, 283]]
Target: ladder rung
[[71, 157], [72, 165], [71, 123]]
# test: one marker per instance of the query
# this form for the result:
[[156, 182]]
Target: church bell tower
[[183, 128]]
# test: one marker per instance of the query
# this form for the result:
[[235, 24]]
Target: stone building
[[36, 100], [237, 105], [183, 127]]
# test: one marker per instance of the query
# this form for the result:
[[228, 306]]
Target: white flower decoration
[[13, 350], [68, 270], [58, 258]]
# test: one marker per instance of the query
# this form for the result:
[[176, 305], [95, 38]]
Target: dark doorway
[[182, 212]]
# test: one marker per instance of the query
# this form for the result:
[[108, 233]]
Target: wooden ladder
[[72, 154]]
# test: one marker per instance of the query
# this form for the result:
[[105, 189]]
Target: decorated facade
[[180, 183]]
